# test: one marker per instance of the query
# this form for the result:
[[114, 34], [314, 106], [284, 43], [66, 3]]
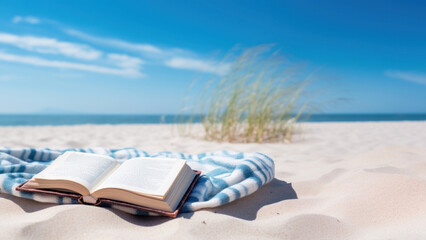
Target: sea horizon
[[53, 119]]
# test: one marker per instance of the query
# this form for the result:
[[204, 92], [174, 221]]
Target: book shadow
[[146, 221], [247, 208]]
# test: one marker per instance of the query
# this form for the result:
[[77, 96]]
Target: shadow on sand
[[245, 208]]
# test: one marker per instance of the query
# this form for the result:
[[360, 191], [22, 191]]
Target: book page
[[152, 176], [84, 168]]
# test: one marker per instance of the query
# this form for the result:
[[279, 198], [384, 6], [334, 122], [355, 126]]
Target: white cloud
[[50, 46], [36, 61], [28, 19], [125, 61], [126, 65], [172, 57], [144, 48], [199, 65], [407, 76]]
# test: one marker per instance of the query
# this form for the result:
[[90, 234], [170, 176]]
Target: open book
[[157, 183]]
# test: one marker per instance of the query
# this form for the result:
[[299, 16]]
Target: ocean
[[76, 119]]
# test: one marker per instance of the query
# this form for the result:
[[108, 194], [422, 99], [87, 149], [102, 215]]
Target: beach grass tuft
[[258, 100]]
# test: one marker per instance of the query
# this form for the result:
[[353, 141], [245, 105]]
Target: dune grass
[[258, 100]]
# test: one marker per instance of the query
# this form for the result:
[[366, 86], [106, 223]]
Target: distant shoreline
[[114, 119]]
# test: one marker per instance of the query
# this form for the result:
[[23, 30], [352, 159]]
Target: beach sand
[[334, 181]]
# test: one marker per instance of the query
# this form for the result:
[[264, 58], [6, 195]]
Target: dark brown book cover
[[79, 197]]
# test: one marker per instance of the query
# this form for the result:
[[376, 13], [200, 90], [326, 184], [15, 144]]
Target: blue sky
[[140, 56]]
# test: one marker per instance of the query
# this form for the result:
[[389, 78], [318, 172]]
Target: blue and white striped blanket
[[226, 176]]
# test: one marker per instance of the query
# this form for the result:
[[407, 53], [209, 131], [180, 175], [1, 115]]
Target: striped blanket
[[226, 176]]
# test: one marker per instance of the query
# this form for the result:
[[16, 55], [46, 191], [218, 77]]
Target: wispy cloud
[[50, 46], [198, 65], [28, 19], [407, 76], [126, 70], [139, 47], [172, 57], [125, 61], [106, 62]]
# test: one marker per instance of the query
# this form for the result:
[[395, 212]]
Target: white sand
[[335, 181]]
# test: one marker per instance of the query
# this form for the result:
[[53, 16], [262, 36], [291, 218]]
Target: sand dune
[[335, 181]]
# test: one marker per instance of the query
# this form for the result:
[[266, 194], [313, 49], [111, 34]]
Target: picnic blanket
[[226, 175]]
